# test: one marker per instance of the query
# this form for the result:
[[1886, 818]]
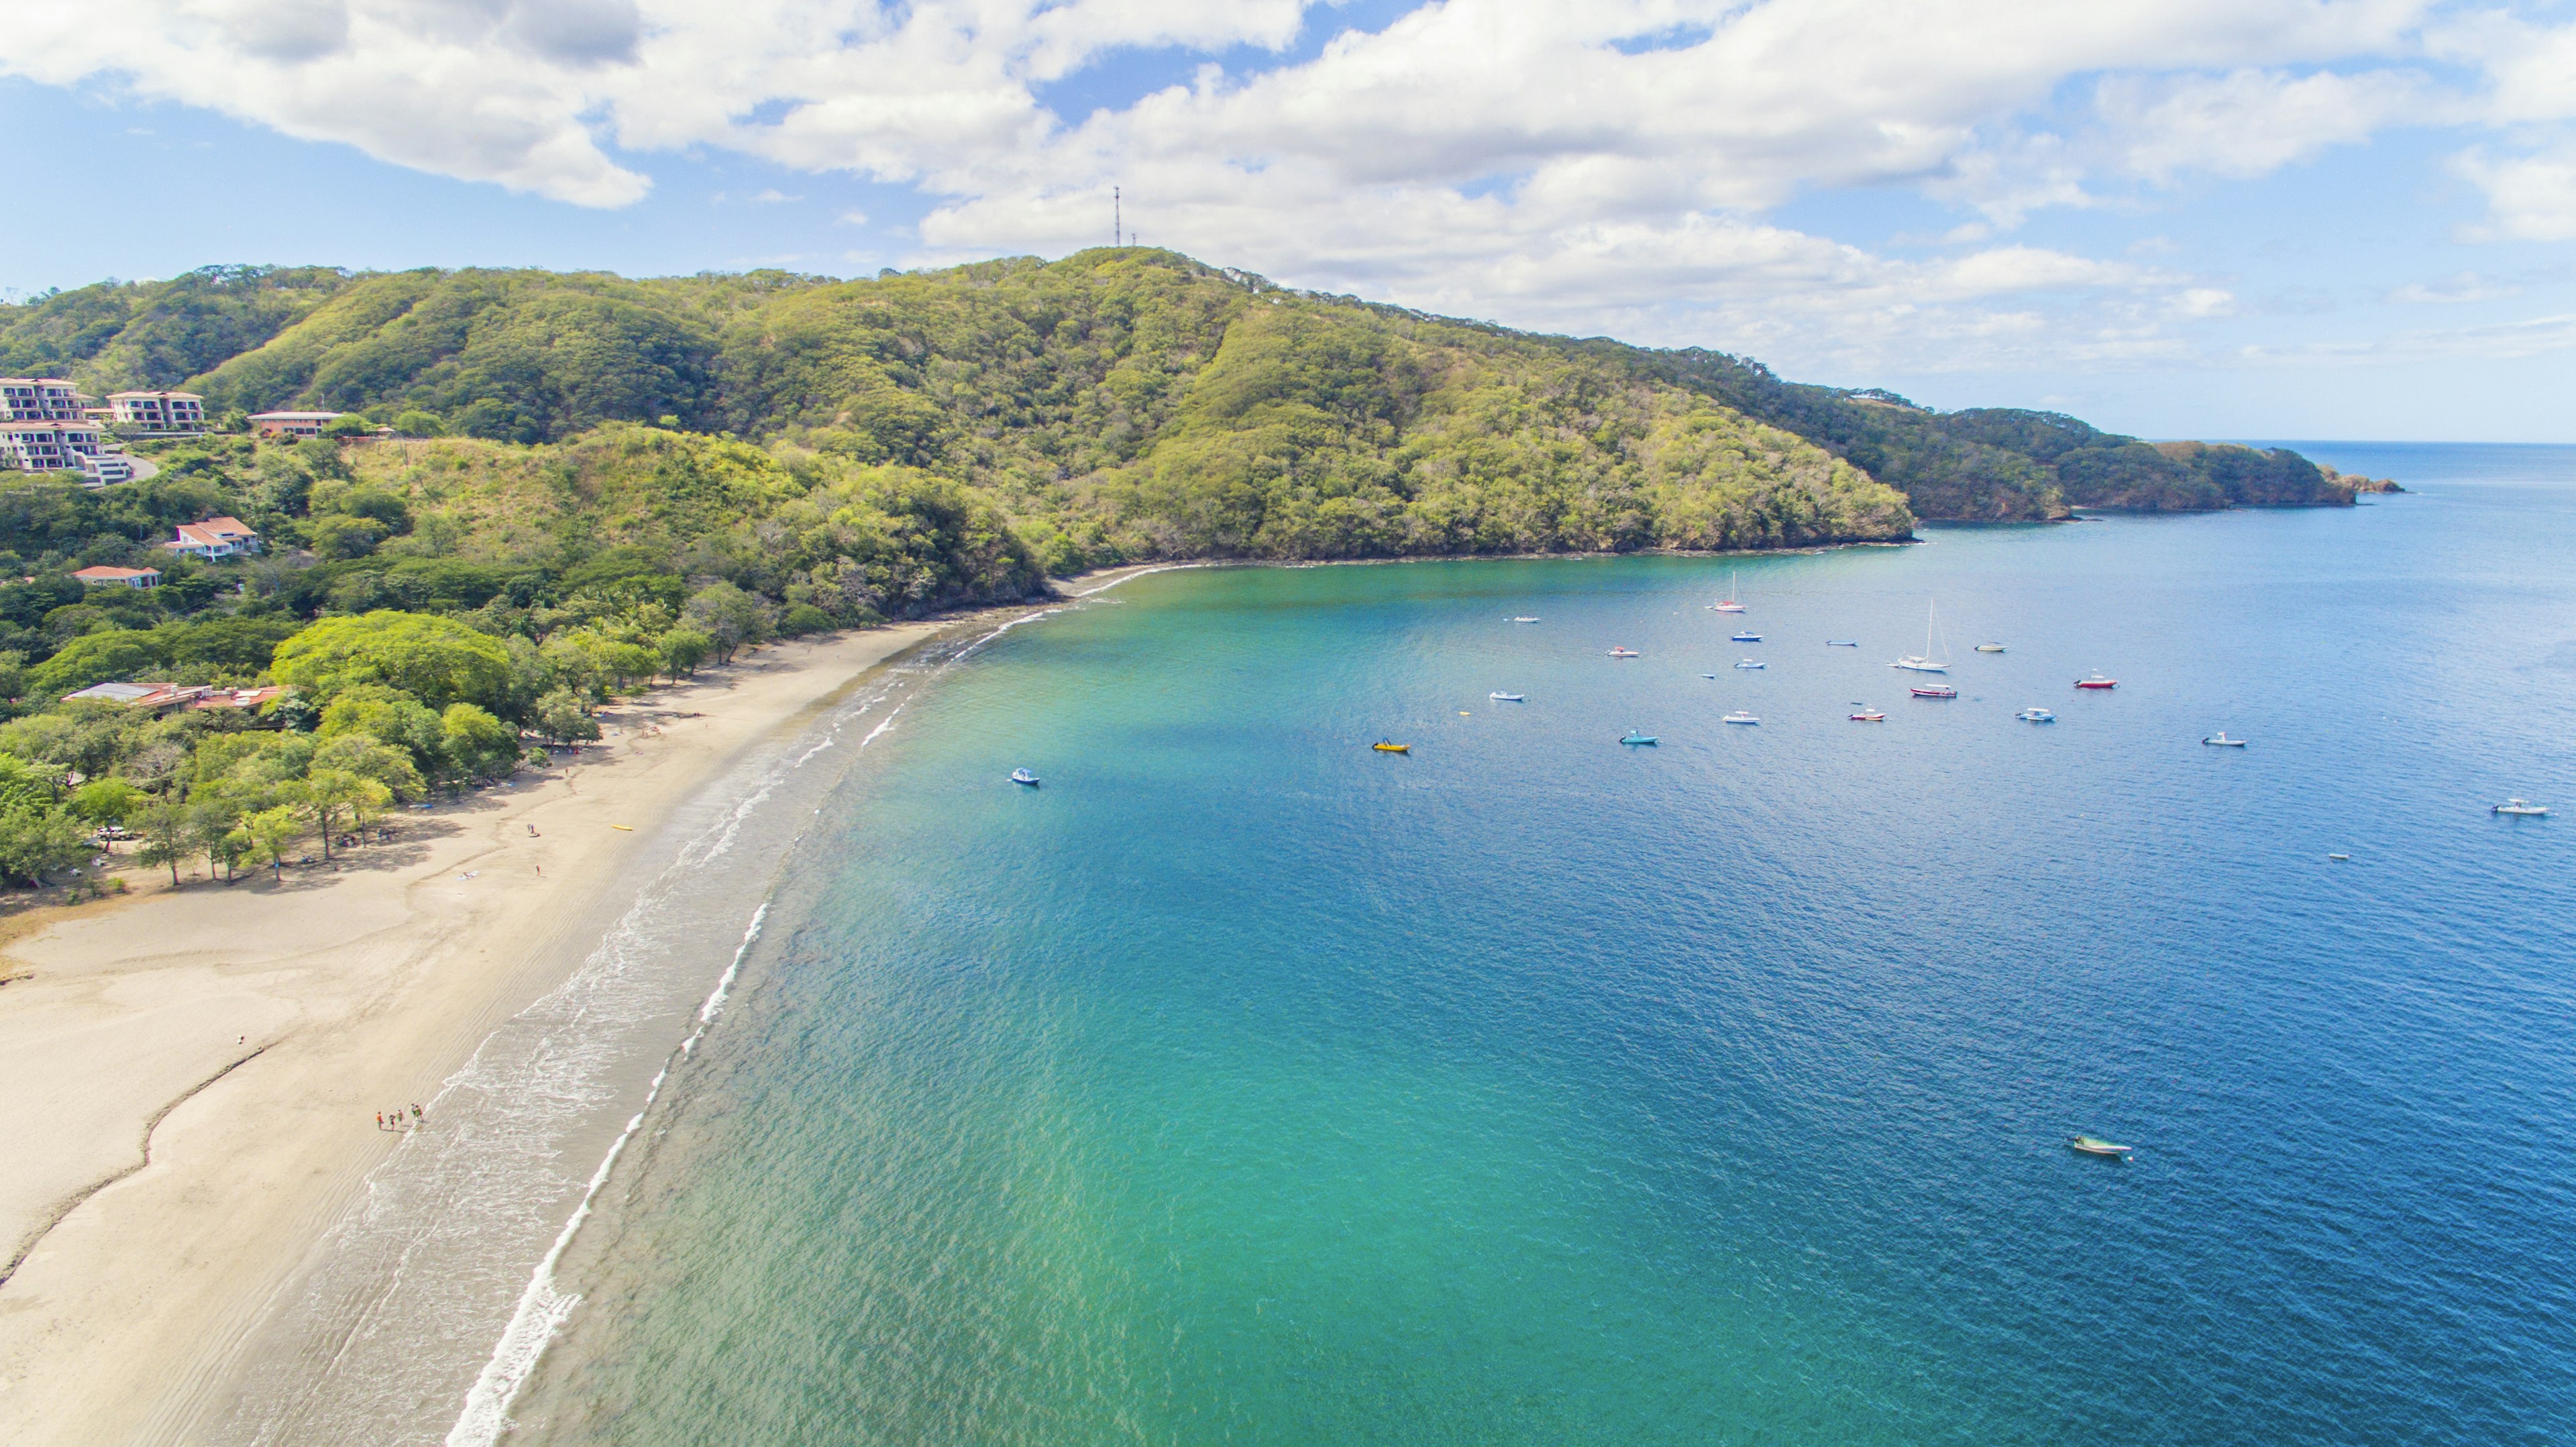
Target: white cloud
[[774, 197], [2249, 122], [2529, 197], [2468, 286], [2502, 341]]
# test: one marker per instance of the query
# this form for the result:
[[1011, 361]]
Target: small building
[[163, 414], [292, 424], [125, 577], [105, 468], [39, 399], [216, 537], [46, 446], [242, 698]]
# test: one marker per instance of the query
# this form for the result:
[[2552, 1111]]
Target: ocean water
[[1243, 1084]]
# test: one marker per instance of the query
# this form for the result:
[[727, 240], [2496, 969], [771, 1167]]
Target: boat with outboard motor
[[2093, 1146], [1023, 776], [2221, 740], [1500, 697], [1740, 717], [1383, 747], [2098, 682], [1753, 663], [1625, 653], [1936, 690], [2521, 808], [1634, 737], [2036, 715]]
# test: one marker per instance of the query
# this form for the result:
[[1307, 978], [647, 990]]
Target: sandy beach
[[190, 1077]]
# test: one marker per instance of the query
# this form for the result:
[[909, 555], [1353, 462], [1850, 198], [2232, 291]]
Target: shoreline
[[189, 1076]]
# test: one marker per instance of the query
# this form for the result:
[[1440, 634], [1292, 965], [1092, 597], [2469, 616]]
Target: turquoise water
[[1243, 1084]]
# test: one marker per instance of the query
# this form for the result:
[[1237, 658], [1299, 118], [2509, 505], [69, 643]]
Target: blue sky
[[2323, 218]]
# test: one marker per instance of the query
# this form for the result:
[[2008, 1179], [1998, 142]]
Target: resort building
[[127, 577], [39, 399], [292, 424], [218, 537], [105, 468], [46, 446], [174, 414], [158, 696]]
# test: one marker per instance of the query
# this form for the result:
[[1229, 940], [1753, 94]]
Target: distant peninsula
[[1117, 406]]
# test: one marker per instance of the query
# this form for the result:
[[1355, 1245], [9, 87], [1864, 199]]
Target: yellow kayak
[[1383, 747]]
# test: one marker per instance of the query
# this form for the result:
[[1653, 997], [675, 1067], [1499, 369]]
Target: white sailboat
[[1728, 603], [1927, 661]]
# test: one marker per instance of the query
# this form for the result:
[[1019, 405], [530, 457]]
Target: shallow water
[[1245, 1084]]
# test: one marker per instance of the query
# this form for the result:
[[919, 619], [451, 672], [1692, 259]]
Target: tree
[[162, 821], [477, 745], [728, 616], [389, 716], [35, 842], [562, 717], [267, 834], [434, 659], [105, 801], [369, 758], [331, 798], [683, 649], [214, 821]]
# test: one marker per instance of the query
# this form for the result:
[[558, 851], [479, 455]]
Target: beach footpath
[[194, 1081]]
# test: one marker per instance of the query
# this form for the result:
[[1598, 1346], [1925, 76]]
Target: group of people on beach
[[395, 1121]]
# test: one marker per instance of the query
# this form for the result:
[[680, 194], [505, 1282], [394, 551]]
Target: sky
[[2176, 218]]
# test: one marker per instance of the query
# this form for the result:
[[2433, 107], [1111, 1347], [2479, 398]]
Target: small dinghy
[[1508, 697], [2522, 808], [2036, 715], [2093, 1146], [1990, 648], [1938, 690], [1752, 663], [1023, 776], [1842, 643], [1634, 737], [2340, 858], [1383, 747], [1524, 620], [1746, 637], [1625, 653], [1740, 717], [2221, 740], [1869, 716]]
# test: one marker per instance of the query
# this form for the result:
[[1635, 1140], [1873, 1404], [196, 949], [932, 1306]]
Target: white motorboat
[[1023, 776], [1753, 663], [1842, 643], [2221, 740], [2036, 715], [1740, 717], [1625, 653], [2522, 808], [1500, 697], [1524, 620], [1929, 660], [1990, 648]]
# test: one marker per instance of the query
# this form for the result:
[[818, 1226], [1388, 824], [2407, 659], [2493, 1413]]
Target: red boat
[[2097, 681], [1938, 690]]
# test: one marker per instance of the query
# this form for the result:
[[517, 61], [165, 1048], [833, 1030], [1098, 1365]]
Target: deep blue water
[[1245, 1084]]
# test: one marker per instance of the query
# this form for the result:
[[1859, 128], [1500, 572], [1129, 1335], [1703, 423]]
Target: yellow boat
[[1383, 747]]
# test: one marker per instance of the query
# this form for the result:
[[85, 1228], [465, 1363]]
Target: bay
[[1243, 1083]]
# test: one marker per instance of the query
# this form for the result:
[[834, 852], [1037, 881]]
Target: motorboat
[[2221, 740], [1023, 776], [1869, 716], [1524, 620], [1990, 648], [1383, 747], [1634, 737], [2097, 681], [1500, 697], [2036, 715], [1935, 690], [1625, 653], [2522, 808], [1842, 643], [2093, 1146], [1747, 636], [1740, 717], [1929, 660], [2340, 858], [1753, 663]]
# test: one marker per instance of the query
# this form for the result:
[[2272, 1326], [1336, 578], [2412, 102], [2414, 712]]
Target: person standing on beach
[[380, 1120]]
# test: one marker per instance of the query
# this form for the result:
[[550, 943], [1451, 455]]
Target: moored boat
[[1740, 717], [1929, 660], [2093, 1146], [1728, 604], [2036, 715], [2522, 808], [2221, 740], [1935, 690], [1634, 737], [1753, 663], [1869, 716], [2097, 681], [1842, 643], [1383, 747], [1990, 648], [1501, 697], [1625, 653], [1023, 776], [1524, 620], [1745, 636]]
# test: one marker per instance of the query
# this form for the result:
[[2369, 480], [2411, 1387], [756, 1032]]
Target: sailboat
[[1728, 603], [1926, 661]]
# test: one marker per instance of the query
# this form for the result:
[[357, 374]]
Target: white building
[[292, 424], [216, 537], [46, 446], [38, 399], [105, 468], [180, 413]]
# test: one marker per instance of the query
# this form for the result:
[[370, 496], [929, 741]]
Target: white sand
[[189, 1078]]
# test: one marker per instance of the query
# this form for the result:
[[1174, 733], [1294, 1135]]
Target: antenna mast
[[1117, 220]]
